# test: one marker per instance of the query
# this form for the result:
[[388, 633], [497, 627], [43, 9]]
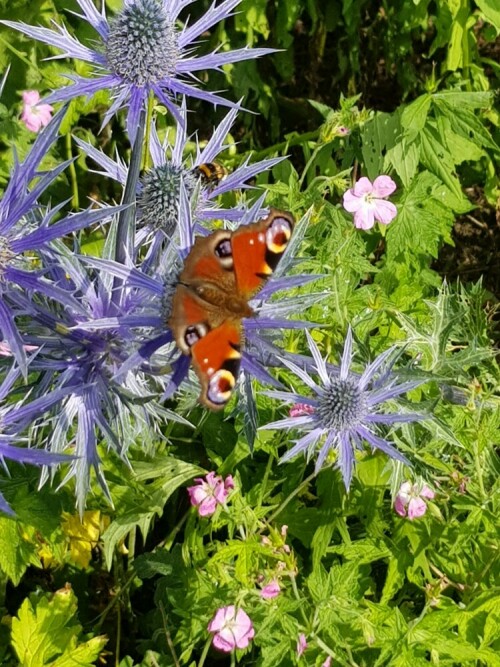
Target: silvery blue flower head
[[25, 227], [159, 190], [77, 360], [344, 410], [142, 50]]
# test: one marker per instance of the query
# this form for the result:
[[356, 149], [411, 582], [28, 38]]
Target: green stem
[[205, 652], [75, 202], [284, 145], [479, 471], [292, 495], [126, 219], [149, 120], [299, 600]]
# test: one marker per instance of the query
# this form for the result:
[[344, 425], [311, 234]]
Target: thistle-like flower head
[[143, 49], [174, 174], [25, 227], [344, 409]]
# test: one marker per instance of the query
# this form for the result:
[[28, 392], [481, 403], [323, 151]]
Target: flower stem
[[296, 491], [125, 236], [149, 119], [72, 172], [205, 652]]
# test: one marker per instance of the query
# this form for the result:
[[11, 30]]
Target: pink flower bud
[[271, 590]]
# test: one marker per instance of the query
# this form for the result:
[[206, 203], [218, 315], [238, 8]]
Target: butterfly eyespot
[[194, 333], [220, 387], [224, 252], [278, 235]]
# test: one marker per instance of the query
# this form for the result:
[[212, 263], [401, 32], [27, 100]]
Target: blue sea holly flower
[[344, 409], [142, 49], [159, 190], [77, 361], [26, 228]]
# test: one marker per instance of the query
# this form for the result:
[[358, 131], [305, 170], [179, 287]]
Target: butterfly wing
[[257, 248], [221, 273]]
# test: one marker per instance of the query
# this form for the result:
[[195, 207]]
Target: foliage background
[[413, 81]]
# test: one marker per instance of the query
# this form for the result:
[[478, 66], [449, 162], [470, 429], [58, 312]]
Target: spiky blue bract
[[159, 193], [344, 409], [76, 363], [26, 227], [14, 418], [142, 50]]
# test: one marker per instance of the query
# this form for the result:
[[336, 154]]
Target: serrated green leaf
[[414, 116], [45, 632], [404, 157]]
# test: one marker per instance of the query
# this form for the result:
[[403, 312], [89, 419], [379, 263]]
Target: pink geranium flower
[[270, 590], [207, 493], [300, 409], [232, 629], [34, 115], [410, 500], [367, 201], [301, 644]]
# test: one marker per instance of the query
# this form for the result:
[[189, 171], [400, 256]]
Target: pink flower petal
[[229, 483], [243, 630], [270, 590], [427, 493], [31, 97], [35, 116], [364, 218], [224, 641], [207, 507], [301, 644], [383, 186], [400, 506], [233, 629], [328, 662], [363, 187], [416, 508], [351, 202], [220, 616], [385, 211]]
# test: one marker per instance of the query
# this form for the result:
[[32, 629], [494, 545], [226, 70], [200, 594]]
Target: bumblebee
[[210, 174]]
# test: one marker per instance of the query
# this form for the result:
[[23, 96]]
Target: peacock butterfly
[[221, 274]]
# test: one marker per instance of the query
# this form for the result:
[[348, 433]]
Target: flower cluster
[[90, 334]]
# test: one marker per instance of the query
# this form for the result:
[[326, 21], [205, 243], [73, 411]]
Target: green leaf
[[436, 157], [46, 632], [414, 116], [16, 552], [404, 157], [491, 11], [379, 135]]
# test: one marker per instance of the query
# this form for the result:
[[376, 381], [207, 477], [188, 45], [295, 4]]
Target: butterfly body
[[221, 274]]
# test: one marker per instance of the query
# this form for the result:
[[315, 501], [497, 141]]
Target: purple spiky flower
[[142, 50], [345, 409], [173, 172], [25, 228], [77, 360]]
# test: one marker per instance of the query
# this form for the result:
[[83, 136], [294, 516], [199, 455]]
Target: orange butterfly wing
[[221, 273], [257, 249]]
